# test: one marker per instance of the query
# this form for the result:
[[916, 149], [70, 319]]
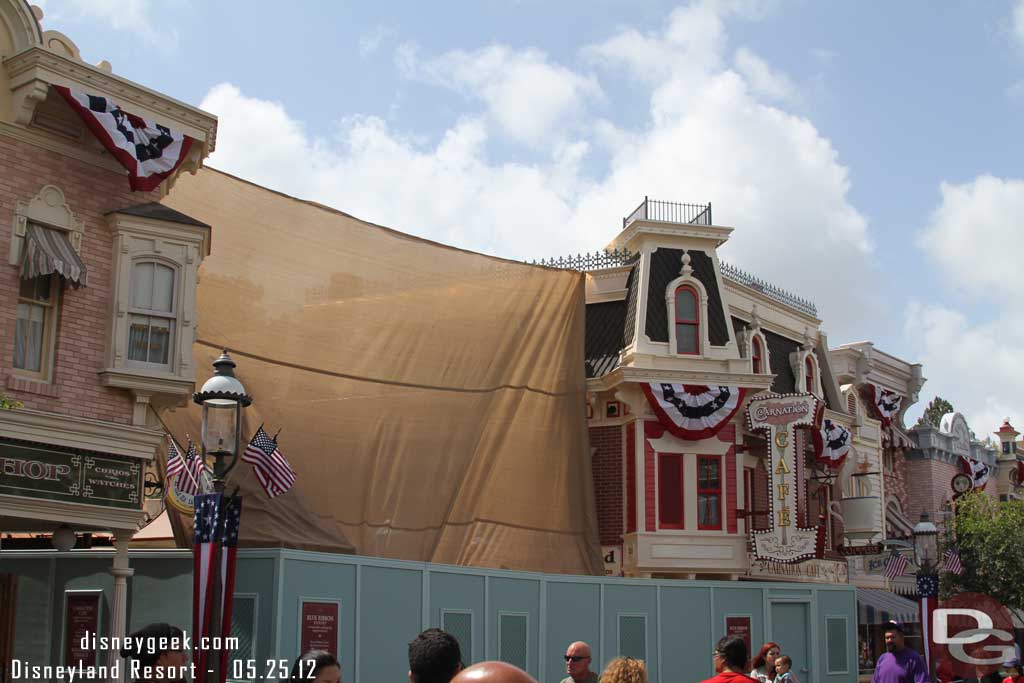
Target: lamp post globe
[[222, 397], [926, 542]]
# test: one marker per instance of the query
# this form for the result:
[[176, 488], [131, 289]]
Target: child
[[783, 664]]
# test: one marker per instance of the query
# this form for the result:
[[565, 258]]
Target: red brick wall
[[652, 430], [631, 478], [896, 479], [931, 487], [82, 327], [606, 443], [728, 435]]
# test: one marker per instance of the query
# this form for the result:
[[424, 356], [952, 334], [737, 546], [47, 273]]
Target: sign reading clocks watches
[[779, 416]]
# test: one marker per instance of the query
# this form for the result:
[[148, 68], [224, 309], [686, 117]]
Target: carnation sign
[[779, 416]]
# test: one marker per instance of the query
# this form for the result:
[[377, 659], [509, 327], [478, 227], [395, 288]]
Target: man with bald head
[[493, 672], [577, 664]]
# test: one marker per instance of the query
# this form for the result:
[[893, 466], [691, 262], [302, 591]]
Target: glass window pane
[[708, 510], [27, 288], [163, 289], [142, 285], [686, 339], [712, 473], [159, 340], [28, 337], [138, 338], [670, 494], [686, 305]]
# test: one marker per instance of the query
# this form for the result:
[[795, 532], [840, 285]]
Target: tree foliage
[[932, 415], [990, 536]]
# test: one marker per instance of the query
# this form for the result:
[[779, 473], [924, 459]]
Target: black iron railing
[[588, 261], [730, 272], [670, 212]]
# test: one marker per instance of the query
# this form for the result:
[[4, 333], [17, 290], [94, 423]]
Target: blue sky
[[868, 154]]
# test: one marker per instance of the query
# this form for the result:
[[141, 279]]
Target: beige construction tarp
[[431, 400]]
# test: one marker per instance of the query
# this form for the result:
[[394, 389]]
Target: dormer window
[[756, 356], [687, 321]]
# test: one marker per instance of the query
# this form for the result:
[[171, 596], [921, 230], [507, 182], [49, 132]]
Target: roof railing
[[669, 212], [741, 277], [588, 261]]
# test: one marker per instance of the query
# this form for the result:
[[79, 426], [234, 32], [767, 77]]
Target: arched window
[[151, 326], [687, 320], [809, 375], [756, 356]]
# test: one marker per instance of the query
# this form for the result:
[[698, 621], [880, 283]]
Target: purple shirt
[[904, 666]]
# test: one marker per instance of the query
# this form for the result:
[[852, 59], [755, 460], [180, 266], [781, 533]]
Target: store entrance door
[[791, 629]]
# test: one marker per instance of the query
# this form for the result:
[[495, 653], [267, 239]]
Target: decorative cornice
[[40, 64], [637, 228], [79, 515], [163, 384], [634, 374], [75, 432]]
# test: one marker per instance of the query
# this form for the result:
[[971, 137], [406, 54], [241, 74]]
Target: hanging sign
[[779, 415], [65, 475]]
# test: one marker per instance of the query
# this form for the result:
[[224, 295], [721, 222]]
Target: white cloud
[[710, 136], [1018, 22], [975, 235], [763, 79], [975, 366], [528, 96], [370, 42], [133, 16]]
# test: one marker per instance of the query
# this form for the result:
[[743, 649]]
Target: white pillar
[[119, 607]]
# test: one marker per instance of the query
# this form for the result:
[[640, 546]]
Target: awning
[[48, 251], [876, 606]]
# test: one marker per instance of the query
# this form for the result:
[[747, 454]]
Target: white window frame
[[798, 361], [174, 317], [49, 343], [702, 323]]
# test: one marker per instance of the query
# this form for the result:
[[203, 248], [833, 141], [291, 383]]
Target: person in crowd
[[730, 657], [763, 666], [434, 657], [784, 670], [157, 653], [316, 666], [493, 672], [625, 670], [1012, 670], [899, 663], [577, 664]]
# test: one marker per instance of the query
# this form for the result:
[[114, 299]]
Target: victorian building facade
[[99, 306]]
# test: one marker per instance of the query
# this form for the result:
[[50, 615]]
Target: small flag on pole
[[275, 474], [951, 562], [896, 566], [175, 463], [194, 467]]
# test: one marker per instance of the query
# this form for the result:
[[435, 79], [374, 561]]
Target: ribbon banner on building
[[976, 469], [693, 412], [779, 415], [150, 152], [887, 403], [832, 441]]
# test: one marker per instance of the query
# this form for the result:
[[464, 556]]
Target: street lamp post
[[222, 397], [926, 550]]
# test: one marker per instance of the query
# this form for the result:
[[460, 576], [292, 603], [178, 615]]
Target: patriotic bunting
[[886, 402], [275, 474], [977, 470], [228, 557], [693, 412], [832, 441], [928, 589], [204, 549], [150, 152]]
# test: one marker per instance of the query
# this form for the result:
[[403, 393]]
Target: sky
[[868, 154]]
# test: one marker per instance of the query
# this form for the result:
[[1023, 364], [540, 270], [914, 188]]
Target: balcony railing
[[588, 261], [669, 212], [730, 272]]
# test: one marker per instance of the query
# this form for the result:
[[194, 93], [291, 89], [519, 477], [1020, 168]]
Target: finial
[[687, 269]]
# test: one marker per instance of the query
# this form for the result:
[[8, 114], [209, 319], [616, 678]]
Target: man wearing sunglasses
[[577, 664]]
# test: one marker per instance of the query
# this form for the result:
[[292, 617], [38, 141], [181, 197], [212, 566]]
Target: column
[[119, 606]]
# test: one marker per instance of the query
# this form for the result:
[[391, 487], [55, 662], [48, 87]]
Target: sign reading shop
[[56, 474]]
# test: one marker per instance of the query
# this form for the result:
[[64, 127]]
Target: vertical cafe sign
[[779, 416]]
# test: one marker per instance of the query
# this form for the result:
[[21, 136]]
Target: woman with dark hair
[[763, 666], [156, 653], [317, 666]]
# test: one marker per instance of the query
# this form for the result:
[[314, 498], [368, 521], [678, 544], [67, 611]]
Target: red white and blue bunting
[[977, 470], [886, 402], [150, 152], [693, 412], [832, 441]]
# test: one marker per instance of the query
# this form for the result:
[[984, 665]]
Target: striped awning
[[876, 606], [48, 251]]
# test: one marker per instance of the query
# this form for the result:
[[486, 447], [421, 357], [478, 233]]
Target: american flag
[[896, 566], [228, 556], [275, 474], [197, 465], [951, 562], [206, 525], [175, 463]]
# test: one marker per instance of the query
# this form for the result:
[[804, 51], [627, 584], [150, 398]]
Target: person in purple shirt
[[899, 664]]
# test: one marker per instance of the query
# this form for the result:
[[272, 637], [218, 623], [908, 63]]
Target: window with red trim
[[709, 492], [687, 321], [755, 355], [809, 375], [670, 491]]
